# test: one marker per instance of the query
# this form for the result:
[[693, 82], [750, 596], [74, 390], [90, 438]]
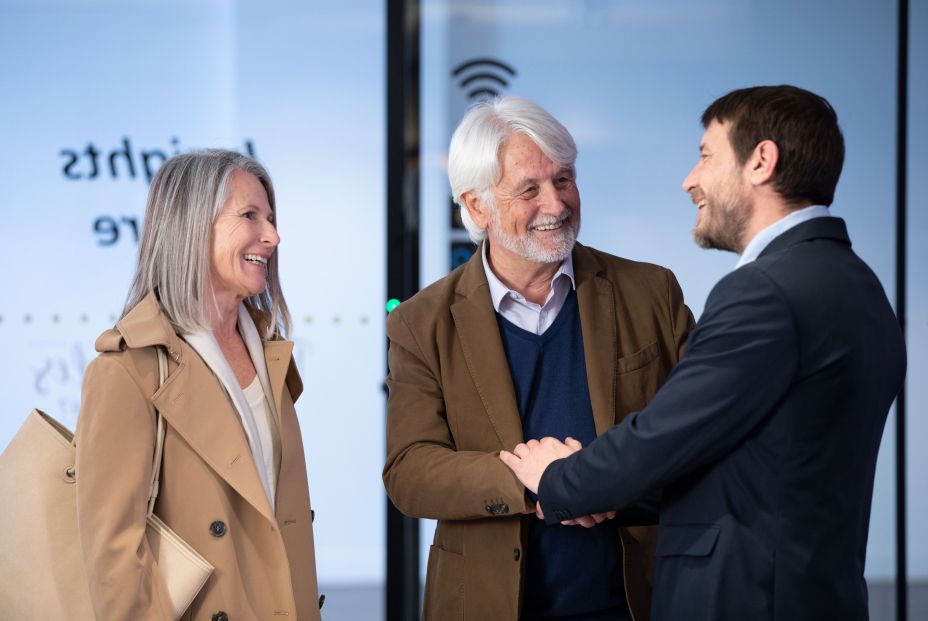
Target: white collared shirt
[[527, 315], [768, 234]]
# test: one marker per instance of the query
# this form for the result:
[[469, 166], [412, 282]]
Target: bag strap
[[159, 435]]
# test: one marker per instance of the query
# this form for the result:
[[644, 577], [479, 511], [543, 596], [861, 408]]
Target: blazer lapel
[[194, 403], [478, 332], [596, 300]]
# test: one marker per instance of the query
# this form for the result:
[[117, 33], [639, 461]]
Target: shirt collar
[[499, 291], [768, 234]]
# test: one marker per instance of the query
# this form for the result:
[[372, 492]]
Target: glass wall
[[630, 80], [917, 327], [96, 94]]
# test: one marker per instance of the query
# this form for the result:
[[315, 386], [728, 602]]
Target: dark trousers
[[614, 614]]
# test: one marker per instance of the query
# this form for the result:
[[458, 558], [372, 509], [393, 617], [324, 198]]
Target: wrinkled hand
[[529, 460]]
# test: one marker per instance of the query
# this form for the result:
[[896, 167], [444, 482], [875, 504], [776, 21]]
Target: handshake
[[529, 461]]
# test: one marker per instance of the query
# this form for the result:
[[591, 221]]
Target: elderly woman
[[233, 480]]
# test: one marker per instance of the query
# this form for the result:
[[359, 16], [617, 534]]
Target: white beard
[[529, 248]]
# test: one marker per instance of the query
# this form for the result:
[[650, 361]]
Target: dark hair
[[804, 127]]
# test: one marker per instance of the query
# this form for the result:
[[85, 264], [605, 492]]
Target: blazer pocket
[[444, 586], [687, 540], [638, 376], [691, 579], [639, 359]]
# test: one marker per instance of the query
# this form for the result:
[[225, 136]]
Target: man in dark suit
[[764, 439]]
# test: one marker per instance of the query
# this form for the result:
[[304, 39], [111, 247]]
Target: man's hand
[[528, 461], [587, 521]]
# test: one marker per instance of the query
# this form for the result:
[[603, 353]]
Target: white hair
[[186, 195], [473, 157]]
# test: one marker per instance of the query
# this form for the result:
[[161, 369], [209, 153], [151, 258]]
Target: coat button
[[312, 515], [321, 600], [217, 529], [516, 554], [220, 616]]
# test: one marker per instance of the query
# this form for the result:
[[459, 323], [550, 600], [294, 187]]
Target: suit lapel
[[478, 332], [194, 403], [596, 300]]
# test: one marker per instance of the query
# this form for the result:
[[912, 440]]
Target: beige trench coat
[[452, 407], [210, 491]]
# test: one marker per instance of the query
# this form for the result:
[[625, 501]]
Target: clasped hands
[[529, 460]]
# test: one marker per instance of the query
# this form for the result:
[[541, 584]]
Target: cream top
[[268, 434]]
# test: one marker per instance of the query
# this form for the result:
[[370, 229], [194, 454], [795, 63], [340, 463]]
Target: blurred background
[[350, 105]]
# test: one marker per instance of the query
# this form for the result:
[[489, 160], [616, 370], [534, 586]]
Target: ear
[[476, 208], [761, 166]]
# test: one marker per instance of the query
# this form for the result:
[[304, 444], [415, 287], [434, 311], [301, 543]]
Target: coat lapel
[[478, 332], [277, 357], [600, 350], [193, 402]]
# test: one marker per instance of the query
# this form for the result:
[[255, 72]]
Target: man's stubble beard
[[724, 225]]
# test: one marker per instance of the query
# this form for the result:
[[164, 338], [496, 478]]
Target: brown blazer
[[210, 491], [452, 408]]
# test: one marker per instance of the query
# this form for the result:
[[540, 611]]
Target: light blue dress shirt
[[767, 235]]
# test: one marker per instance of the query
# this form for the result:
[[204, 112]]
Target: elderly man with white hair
[[535, 336]]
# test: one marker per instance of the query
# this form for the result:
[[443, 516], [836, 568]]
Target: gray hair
[[175, 249], [473, 157]]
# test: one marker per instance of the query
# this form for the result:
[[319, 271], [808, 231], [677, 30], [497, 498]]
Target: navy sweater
[[569, 570]]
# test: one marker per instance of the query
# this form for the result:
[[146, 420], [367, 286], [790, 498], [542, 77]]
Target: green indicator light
[[391, 304]]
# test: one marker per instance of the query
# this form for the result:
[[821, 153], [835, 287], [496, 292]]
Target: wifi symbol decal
[[483, 78]]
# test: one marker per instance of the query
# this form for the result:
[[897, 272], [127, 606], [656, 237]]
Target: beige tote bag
[[41, 566]]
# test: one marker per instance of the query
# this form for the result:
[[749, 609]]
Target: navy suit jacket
[[764, 440]]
